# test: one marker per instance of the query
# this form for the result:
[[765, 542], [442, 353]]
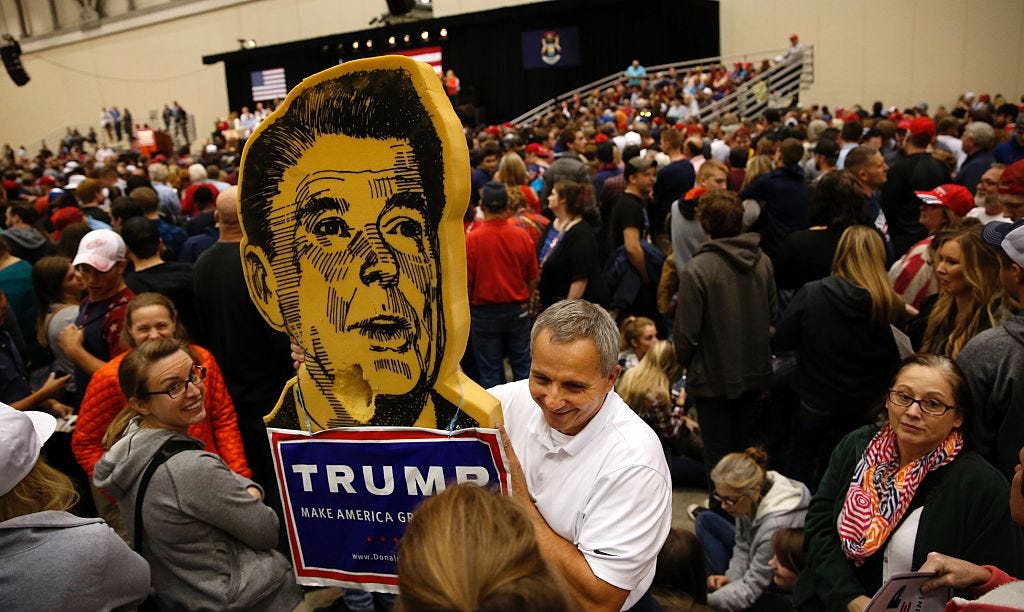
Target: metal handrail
[[782, 86], [530, 116]]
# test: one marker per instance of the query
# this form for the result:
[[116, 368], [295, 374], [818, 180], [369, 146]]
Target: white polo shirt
[[607, 489]]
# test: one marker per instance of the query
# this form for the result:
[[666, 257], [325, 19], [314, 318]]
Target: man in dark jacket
[[977, 144], [993, 360], [568, 164], [727, 303], [150, 273], [916, 171], [784, 193], [673, 180]]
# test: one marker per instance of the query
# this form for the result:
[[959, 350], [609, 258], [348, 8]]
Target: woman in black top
[[569, 266], [806, 255]]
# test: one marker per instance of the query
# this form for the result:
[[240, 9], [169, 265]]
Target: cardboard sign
[[351, 198], [348, 494], [902, 593]]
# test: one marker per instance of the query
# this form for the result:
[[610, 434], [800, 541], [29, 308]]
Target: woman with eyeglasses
[[895, 492], [151, 316], [761, 502], [205, 530]]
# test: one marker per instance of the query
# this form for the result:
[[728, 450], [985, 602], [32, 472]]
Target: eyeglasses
[[196, 376], [728, 501], [930, 406]]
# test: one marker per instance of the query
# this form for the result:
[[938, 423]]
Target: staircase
[[773, 88]]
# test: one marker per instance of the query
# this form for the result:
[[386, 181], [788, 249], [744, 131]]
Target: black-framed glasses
[[930, 406], [727, 501], [196, 376]]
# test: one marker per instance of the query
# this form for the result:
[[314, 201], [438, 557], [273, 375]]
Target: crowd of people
[[816, 317]]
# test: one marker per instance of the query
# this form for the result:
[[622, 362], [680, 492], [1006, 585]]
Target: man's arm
[[577, 289], [590, 592], [71, 339], [635, 252]]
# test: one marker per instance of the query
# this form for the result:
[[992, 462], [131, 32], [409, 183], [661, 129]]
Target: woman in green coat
[[894, 493]]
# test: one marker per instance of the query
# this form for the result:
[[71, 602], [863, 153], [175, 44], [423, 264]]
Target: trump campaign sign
[[349, 493]]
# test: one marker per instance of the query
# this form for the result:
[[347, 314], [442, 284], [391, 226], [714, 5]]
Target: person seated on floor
[[681, 581], [761, 502]]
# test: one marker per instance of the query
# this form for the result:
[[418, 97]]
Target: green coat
[[966, 515]]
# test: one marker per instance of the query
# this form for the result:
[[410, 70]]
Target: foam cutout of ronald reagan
[[351, 199]]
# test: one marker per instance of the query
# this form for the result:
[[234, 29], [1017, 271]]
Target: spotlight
[[405, 38], [355, 45], [391, 41], [424, 35], [444, 32], [369, 44], [247, 43]]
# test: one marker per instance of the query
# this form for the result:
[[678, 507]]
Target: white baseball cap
[[1013, 244], [22, 434], [100, 249]]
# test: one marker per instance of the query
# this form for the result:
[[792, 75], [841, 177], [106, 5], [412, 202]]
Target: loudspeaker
[[11, 54], [400, 7]]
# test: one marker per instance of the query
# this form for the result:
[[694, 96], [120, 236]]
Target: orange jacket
[[103, 401]]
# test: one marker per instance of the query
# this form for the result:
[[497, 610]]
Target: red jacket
[[999, 578], [103, 401]]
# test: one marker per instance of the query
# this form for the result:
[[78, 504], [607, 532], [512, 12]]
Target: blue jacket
[[623, 278], [973, 167], [785, 196], [1009, 151]]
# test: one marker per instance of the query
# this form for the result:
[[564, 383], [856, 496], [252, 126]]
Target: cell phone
[[59, 373]]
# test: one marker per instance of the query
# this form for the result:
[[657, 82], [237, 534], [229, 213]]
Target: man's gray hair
[[982, 133], [572, 320], [157, 171]]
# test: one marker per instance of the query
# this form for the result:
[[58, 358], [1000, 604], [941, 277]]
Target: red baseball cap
[[922, 125], [536, 149], [1012, 180], [957, 198], [793, 36]]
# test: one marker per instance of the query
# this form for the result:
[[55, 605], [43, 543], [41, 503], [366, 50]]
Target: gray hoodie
[[992, 362], [784, 505], [57, 561], [209, 543], [727, 303]]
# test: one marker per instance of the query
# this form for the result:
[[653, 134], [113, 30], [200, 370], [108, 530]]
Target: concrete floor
[[681, 498]]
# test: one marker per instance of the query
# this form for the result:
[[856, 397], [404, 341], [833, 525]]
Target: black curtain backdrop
[[484, 49]]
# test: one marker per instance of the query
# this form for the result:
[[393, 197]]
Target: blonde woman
[[53, 560], [512, 174], [636, 336], [761, 502], [648, 389], [841, 380], [970, 293], [523, 203]]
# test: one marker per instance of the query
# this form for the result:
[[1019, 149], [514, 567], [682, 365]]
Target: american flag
[[268, 84], [430, 55]]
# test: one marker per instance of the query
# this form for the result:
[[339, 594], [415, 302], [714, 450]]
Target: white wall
[[898, 51], [146, 67]]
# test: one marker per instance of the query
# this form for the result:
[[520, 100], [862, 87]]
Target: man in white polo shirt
[[590, 473]]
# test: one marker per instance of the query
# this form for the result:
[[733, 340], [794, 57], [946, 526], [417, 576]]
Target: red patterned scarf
[[880, 491]]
